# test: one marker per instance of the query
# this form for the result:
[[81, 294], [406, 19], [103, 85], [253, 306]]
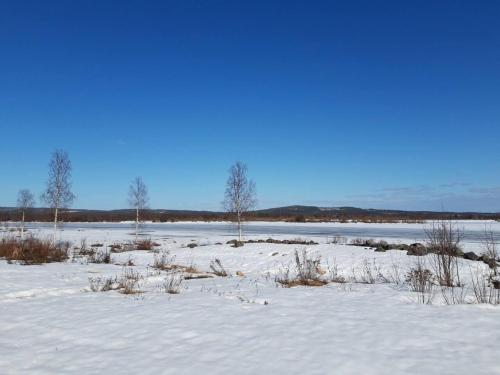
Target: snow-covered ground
[[53, 324]]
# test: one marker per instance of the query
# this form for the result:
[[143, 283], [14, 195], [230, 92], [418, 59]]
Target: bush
[[307, 272], [33, 250], [128, 283], [421, 281], [443, 239], [145, 244]]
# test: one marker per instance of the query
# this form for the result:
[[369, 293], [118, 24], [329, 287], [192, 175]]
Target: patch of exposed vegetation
[[33, 250]]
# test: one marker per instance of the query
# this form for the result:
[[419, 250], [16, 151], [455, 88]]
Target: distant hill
[[296, 213], [339, 211]]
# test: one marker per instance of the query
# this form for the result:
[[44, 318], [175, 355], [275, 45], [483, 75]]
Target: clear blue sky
[[390, 104]]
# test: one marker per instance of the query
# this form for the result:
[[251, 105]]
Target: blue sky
[[389, 104]]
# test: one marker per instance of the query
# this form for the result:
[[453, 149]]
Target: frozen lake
[[473, 231]]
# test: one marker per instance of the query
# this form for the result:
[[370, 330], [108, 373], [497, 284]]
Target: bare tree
[[138, 199], [25, 201], [58, 193], [240, 194]]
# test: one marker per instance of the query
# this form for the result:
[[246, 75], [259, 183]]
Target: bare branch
[[25, 199], [138, 194]]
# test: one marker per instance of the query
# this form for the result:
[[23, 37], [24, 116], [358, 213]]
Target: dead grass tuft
[[145, 244], [33, 250], [172, 283], [218, 269], [307, 272]]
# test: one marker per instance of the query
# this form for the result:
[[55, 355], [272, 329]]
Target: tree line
[[239, 196]]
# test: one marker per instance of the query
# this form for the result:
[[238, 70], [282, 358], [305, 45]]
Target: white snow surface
[[53, 324]]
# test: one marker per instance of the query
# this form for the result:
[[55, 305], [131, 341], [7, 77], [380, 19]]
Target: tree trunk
[[22, 227], [136, 224], [55, 219], [239, 226]]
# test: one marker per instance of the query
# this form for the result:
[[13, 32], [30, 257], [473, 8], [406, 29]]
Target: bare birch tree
[[58, 193], [240, 194], [138, 199], [25, 201]]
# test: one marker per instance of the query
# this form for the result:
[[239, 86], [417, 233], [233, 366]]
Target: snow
[[52, 322]]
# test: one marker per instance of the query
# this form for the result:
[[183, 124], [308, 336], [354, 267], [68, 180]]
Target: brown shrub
[[145, 244], [33, 250], [128, 283], [164, 261], [307, 272]]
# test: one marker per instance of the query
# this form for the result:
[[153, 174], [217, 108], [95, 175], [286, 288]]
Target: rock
[[192, 245], [489, 261], [370, 242], [383, 246], [238, 244], [417, 249], [471, 256], [496, 284]]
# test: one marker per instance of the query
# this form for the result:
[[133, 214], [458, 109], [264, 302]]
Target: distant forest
[[288, 214]]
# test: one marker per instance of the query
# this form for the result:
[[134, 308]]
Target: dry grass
[[103, 284], [421, 281], [100, 257], [145, 244], [33, 250], [128, 283], [84, 249], [307, 272], [218, 269], [172, 283], [164, 261], [484, 287]]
